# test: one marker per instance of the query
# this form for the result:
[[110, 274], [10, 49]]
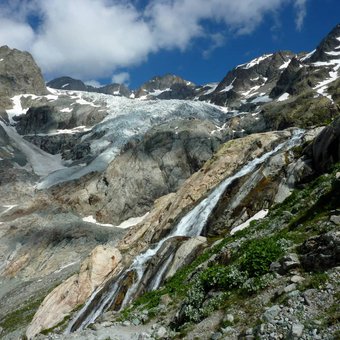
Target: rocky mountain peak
[[67, 83], [160, 84], [329, 47], [19, 73]]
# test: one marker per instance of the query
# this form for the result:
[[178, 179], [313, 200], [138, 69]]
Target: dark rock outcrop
[[328, 44], [36, 120], [326, 147], [321, 252]]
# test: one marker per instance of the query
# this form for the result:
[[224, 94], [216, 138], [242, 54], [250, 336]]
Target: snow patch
[[258, 216], [283, 97], [254, 62], [284, 65], [212, 88], [67, 109], [124, 225], [229, 87], [65, 85], [17, 109], [261, 99], [333, 52], [307, 56]]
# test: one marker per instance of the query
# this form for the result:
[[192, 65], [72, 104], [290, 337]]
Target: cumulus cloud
[[89, 39], [121, 78]]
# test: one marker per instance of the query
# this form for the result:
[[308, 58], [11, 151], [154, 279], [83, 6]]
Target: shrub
[[258, 256]]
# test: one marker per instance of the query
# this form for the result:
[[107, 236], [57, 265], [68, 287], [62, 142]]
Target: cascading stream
[[190, 225]]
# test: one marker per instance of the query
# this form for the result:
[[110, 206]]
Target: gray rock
[[135, 322], [161, 332], [290, 288], [297, 279], [216, 336], [289, 262], [297, 330], [335, 219], [272, 312], [229, 318]]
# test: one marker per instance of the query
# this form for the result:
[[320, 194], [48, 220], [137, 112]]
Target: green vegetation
[[22, 316]]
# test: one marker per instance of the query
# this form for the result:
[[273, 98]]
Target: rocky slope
[[111, 202]]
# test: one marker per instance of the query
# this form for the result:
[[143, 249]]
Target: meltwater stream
[[190, 225]]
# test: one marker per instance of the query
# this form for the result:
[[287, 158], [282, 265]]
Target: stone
[[297, 330], [290, 288], [126, 323], [289, 262], [229, 318], [135, 322], [335, 219], [161, 332], [297, 279], [216, 336], [272, 312]]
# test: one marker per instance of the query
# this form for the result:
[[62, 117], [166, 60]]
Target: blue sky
[[133, 40]]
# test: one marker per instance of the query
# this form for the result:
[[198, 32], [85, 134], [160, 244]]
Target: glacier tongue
[[42, 162]]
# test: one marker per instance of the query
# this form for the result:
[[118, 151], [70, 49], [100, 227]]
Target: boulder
[[321, 252]]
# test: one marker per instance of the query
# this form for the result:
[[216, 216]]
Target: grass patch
[[22, 316]]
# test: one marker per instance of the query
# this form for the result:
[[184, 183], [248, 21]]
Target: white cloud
[[89, 39], [14, 34], [93, 83], [301, 12], [121, 78]]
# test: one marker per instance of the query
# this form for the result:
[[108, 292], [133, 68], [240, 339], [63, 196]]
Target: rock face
[[326, 147], [157, 165], [328, 44], [261, 73], [102, 261], [168, 86], [19, 73]]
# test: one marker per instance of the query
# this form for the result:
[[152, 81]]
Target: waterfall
[[190, 225]]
